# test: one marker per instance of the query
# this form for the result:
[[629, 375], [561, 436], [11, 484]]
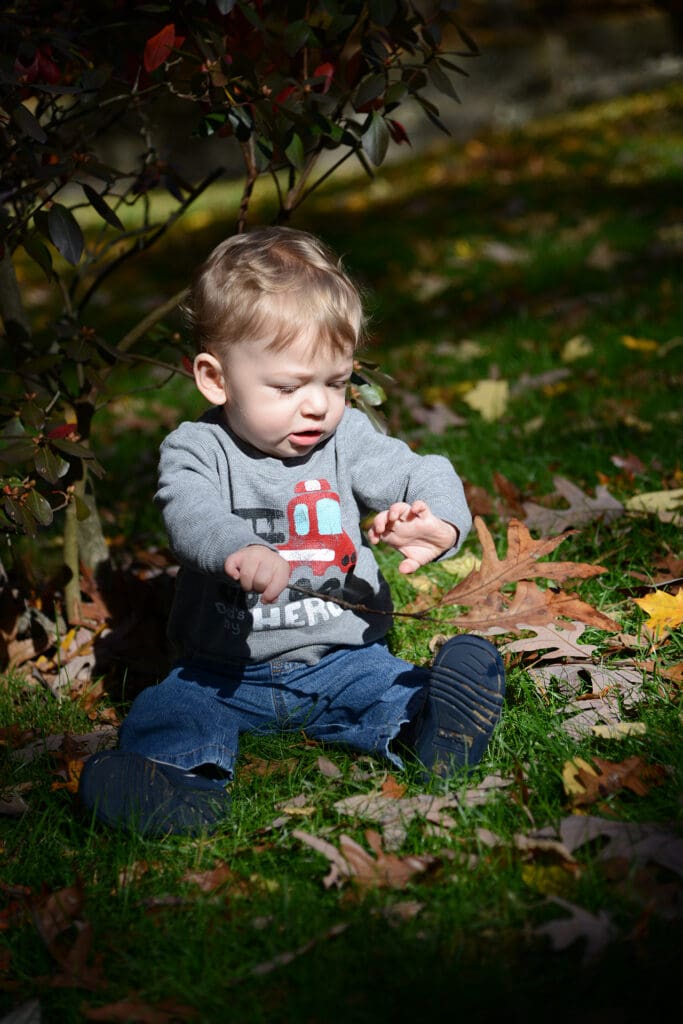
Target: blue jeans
[[356, 697]]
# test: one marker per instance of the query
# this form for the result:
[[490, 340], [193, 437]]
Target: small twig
[[360, 607], [663, 583]]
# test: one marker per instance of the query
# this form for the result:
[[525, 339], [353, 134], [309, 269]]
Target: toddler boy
[[280, 615]]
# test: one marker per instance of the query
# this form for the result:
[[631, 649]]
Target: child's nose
[[315, 402]]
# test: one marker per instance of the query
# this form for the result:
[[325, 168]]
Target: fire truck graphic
[[316, 535]]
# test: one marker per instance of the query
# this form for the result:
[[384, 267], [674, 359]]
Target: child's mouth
[[304, 438]]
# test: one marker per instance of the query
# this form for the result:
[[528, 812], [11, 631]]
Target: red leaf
[[325, 71], [397, 131], [158, 48], [63, 430]]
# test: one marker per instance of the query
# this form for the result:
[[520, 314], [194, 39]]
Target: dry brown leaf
[[584, 682], [596, 930], [520, 563], [640, 842], [611, 776], [211, 880], [582, 508], [530, 605], [328, 768], [392, 788], [395, 815], [352, 862], [58, 917], [556, 640]]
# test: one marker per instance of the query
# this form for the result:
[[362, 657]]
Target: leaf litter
[[500, 596]]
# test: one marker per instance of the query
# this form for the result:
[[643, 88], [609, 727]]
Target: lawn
[[525, 300]]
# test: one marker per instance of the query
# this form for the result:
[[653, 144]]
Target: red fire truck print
[[316, 535]]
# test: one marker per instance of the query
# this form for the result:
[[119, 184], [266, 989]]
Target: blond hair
[[273, 283]]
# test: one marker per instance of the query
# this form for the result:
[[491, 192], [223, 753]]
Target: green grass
[[418, 239]]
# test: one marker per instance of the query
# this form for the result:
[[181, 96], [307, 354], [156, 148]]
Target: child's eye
[[339, 385], [286, 389]]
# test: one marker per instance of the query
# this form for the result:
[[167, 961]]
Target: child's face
[[285, 402]]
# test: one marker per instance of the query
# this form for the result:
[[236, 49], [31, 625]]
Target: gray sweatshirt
[[217, 495]]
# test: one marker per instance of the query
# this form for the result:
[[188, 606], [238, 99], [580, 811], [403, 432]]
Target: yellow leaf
[[617, 730], [639, 344], [424, 585], [668, 505], [665, 610], [461, 565], [570, 776], [489, 398], [67, 639], [294, 811], [576, 348], [551, 879]]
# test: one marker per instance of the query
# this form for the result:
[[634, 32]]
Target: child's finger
[[409, 565]]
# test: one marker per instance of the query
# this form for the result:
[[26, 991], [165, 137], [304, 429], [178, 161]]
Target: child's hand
[[413, 530], [260, 570]]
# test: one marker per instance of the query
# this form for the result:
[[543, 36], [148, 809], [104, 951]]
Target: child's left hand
[[413, 530]]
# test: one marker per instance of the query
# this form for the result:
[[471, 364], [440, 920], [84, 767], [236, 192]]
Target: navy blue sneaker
[[133, 793], [462, 707]]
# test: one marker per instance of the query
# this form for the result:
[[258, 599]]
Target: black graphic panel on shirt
[[262, 522]]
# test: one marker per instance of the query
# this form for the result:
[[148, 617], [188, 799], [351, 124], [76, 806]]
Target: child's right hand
[[259, 570]]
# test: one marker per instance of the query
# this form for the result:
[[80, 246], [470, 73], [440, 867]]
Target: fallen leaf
[[585, 681], [522, 562], [328, 768], [667, 505], [582, 508], [394, 815], [576, 348], [603, 257], [489, 398], [639, 344], [587, 783], [86, 743], [555, 639], [665, 610], [639, 842], [529, 606], [209, 881], [596, 930], [351, 862], [392, 788], [619, 730], [550, 879], [461, 565]]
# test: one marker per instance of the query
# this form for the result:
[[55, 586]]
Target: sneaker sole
[[128, 791], [463, 705]]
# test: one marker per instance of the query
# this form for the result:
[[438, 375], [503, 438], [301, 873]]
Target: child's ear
[[209, 378]]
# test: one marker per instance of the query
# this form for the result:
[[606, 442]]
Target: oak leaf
[[582, 509], [528, 607], [555, 640], [352, 862], [394, 815], [640, 842], [666, 505], [597, 930], [520, 563], [492, 611], [586, 784]]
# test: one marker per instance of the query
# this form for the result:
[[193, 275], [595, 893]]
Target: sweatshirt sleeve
[[386, 469], [193, 496]]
